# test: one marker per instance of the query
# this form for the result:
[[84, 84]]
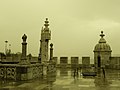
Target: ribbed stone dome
[[102, 45]]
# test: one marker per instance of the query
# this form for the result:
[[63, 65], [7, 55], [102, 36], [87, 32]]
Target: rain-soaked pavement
[[64, 80]]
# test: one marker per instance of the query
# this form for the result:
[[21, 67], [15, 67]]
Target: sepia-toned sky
[[75, 25]]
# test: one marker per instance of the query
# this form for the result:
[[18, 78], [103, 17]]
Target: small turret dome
[[102, 45]]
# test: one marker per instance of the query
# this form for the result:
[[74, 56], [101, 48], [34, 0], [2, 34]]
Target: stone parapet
[[20, 72]]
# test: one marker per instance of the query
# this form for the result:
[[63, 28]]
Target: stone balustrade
[[21, 72]]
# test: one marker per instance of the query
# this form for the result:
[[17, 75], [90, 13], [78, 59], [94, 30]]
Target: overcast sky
[[75, 24]]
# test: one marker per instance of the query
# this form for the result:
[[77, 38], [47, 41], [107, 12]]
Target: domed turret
[[102, 50], [102, 45]]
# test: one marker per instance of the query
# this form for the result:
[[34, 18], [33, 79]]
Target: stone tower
[[102, 52], [44, 42]]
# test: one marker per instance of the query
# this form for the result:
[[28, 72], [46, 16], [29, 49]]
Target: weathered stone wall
[[105, 58]]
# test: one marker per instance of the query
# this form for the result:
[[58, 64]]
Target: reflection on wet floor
[[64, 80]]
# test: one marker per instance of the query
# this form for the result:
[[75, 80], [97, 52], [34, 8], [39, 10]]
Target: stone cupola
[[102, 50]]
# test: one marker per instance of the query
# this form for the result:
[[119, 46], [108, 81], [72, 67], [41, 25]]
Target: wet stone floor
[[64, 80]]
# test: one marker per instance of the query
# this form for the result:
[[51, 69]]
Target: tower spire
[[46, 24]]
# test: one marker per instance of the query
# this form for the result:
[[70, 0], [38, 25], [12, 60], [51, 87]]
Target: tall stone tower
[[102, 52], [44, 42]]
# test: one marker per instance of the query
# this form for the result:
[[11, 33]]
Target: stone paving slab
[[63, 82]]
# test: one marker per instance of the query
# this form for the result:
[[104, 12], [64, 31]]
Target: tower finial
[[51, 45], [46, 23], [102, 40], [24, 37], [102, 35], [46, 19]]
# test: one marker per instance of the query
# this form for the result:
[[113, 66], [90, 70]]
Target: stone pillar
[[51, 52], [24, 51]]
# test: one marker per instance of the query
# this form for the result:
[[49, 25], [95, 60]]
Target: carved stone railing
[[20, 72], [37, 71], [8, 72]]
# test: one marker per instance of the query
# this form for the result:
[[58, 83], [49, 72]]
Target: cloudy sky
[[75, 24]]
